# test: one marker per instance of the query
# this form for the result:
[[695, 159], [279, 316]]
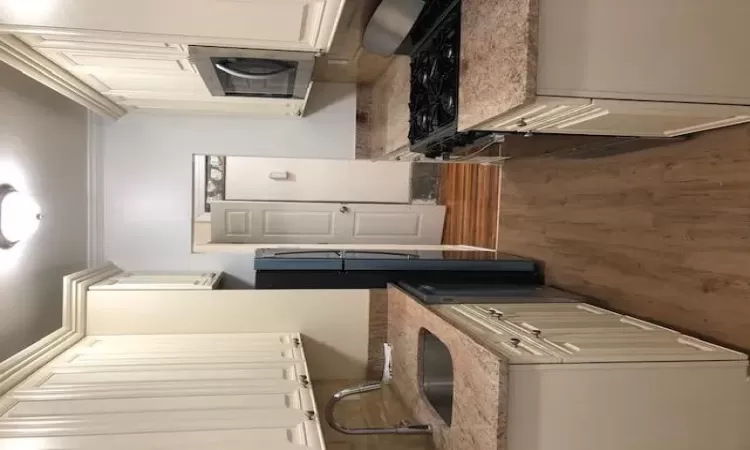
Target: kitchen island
[[512, 393]]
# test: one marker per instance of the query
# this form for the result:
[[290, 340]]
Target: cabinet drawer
[[518, 348]]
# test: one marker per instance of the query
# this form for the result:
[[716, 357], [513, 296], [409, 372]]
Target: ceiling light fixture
[[19, 216]]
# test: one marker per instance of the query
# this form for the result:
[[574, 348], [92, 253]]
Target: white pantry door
[[316, 180], [325, 223], [181, 392]]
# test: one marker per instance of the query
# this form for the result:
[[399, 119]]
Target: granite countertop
[[498, 58], [497, 74], [480, 377]]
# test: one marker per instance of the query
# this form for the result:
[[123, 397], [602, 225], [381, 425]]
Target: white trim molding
[[75, 289], [22, 57]]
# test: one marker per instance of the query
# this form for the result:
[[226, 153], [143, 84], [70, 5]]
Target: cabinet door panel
[[535, 116], [512, 343], [630, 347], [121, 83], [96, 61], [280, 24], [188, 342], [654, 119], [542, 309], [97, 43]]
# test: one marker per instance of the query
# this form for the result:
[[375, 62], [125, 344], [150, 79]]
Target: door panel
[[325, 223], [317, 180]]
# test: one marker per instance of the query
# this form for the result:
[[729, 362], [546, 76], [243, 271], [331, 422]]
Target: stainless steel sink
[[436, 367]]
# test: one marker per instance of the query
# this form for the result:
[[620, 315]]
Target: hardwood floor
[[375, 409], [470, 193], [662, 233]]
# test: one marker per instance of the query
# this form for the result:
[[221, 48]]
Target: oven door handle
[[250, 76]]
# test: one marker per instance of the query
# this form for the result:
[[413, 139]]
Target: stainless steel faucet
[[403, 427]]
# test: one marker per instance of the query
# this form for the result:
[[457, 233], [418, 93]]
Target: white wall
[[42, 152], [147, 173]]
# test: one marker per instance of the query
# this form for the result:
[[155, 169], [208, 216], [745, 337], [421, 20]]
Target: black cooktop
[[433, 99]]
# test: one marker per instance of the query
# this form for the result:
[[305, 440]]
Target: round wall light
[[19, 216]]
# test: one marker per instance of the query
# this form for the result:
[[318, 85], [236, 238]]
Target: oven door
[[253, 73]]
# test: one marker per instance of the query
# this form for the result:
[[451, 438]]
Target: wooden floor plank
[[662, 233]]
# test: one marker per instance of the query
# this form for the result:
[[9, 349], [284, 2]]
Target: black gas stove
[[433, 101]]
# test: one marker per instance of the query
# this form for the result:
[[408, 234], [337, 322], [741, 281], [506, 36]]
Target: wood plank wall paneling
[[662, 233], [470, 194]]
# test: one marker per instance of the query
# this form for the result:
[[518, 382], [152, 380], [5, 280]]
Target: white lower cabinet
[[571, 115], [584, 378], [169, 391]]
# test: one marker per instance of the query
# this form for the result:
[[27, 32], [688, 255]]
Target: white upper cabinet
[[301, 25], [147, 75]]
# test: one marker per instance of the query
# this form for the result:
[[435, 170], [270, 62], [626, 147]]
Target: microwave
[[238, 72]]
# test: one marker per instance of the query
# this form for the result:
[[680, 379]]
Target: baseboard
[[75, 290]]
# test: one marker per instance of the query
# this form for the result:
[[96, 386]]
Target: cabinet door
[[614, 346], [306, 25], [648, 119], [157, 392], [533, 117], [518, 348], [584, 333], [157, 281], [553, 319]]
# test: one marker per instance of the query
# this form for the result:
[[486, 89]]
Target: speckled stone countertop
[[480, 378], [497, 74], [498, 58]]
